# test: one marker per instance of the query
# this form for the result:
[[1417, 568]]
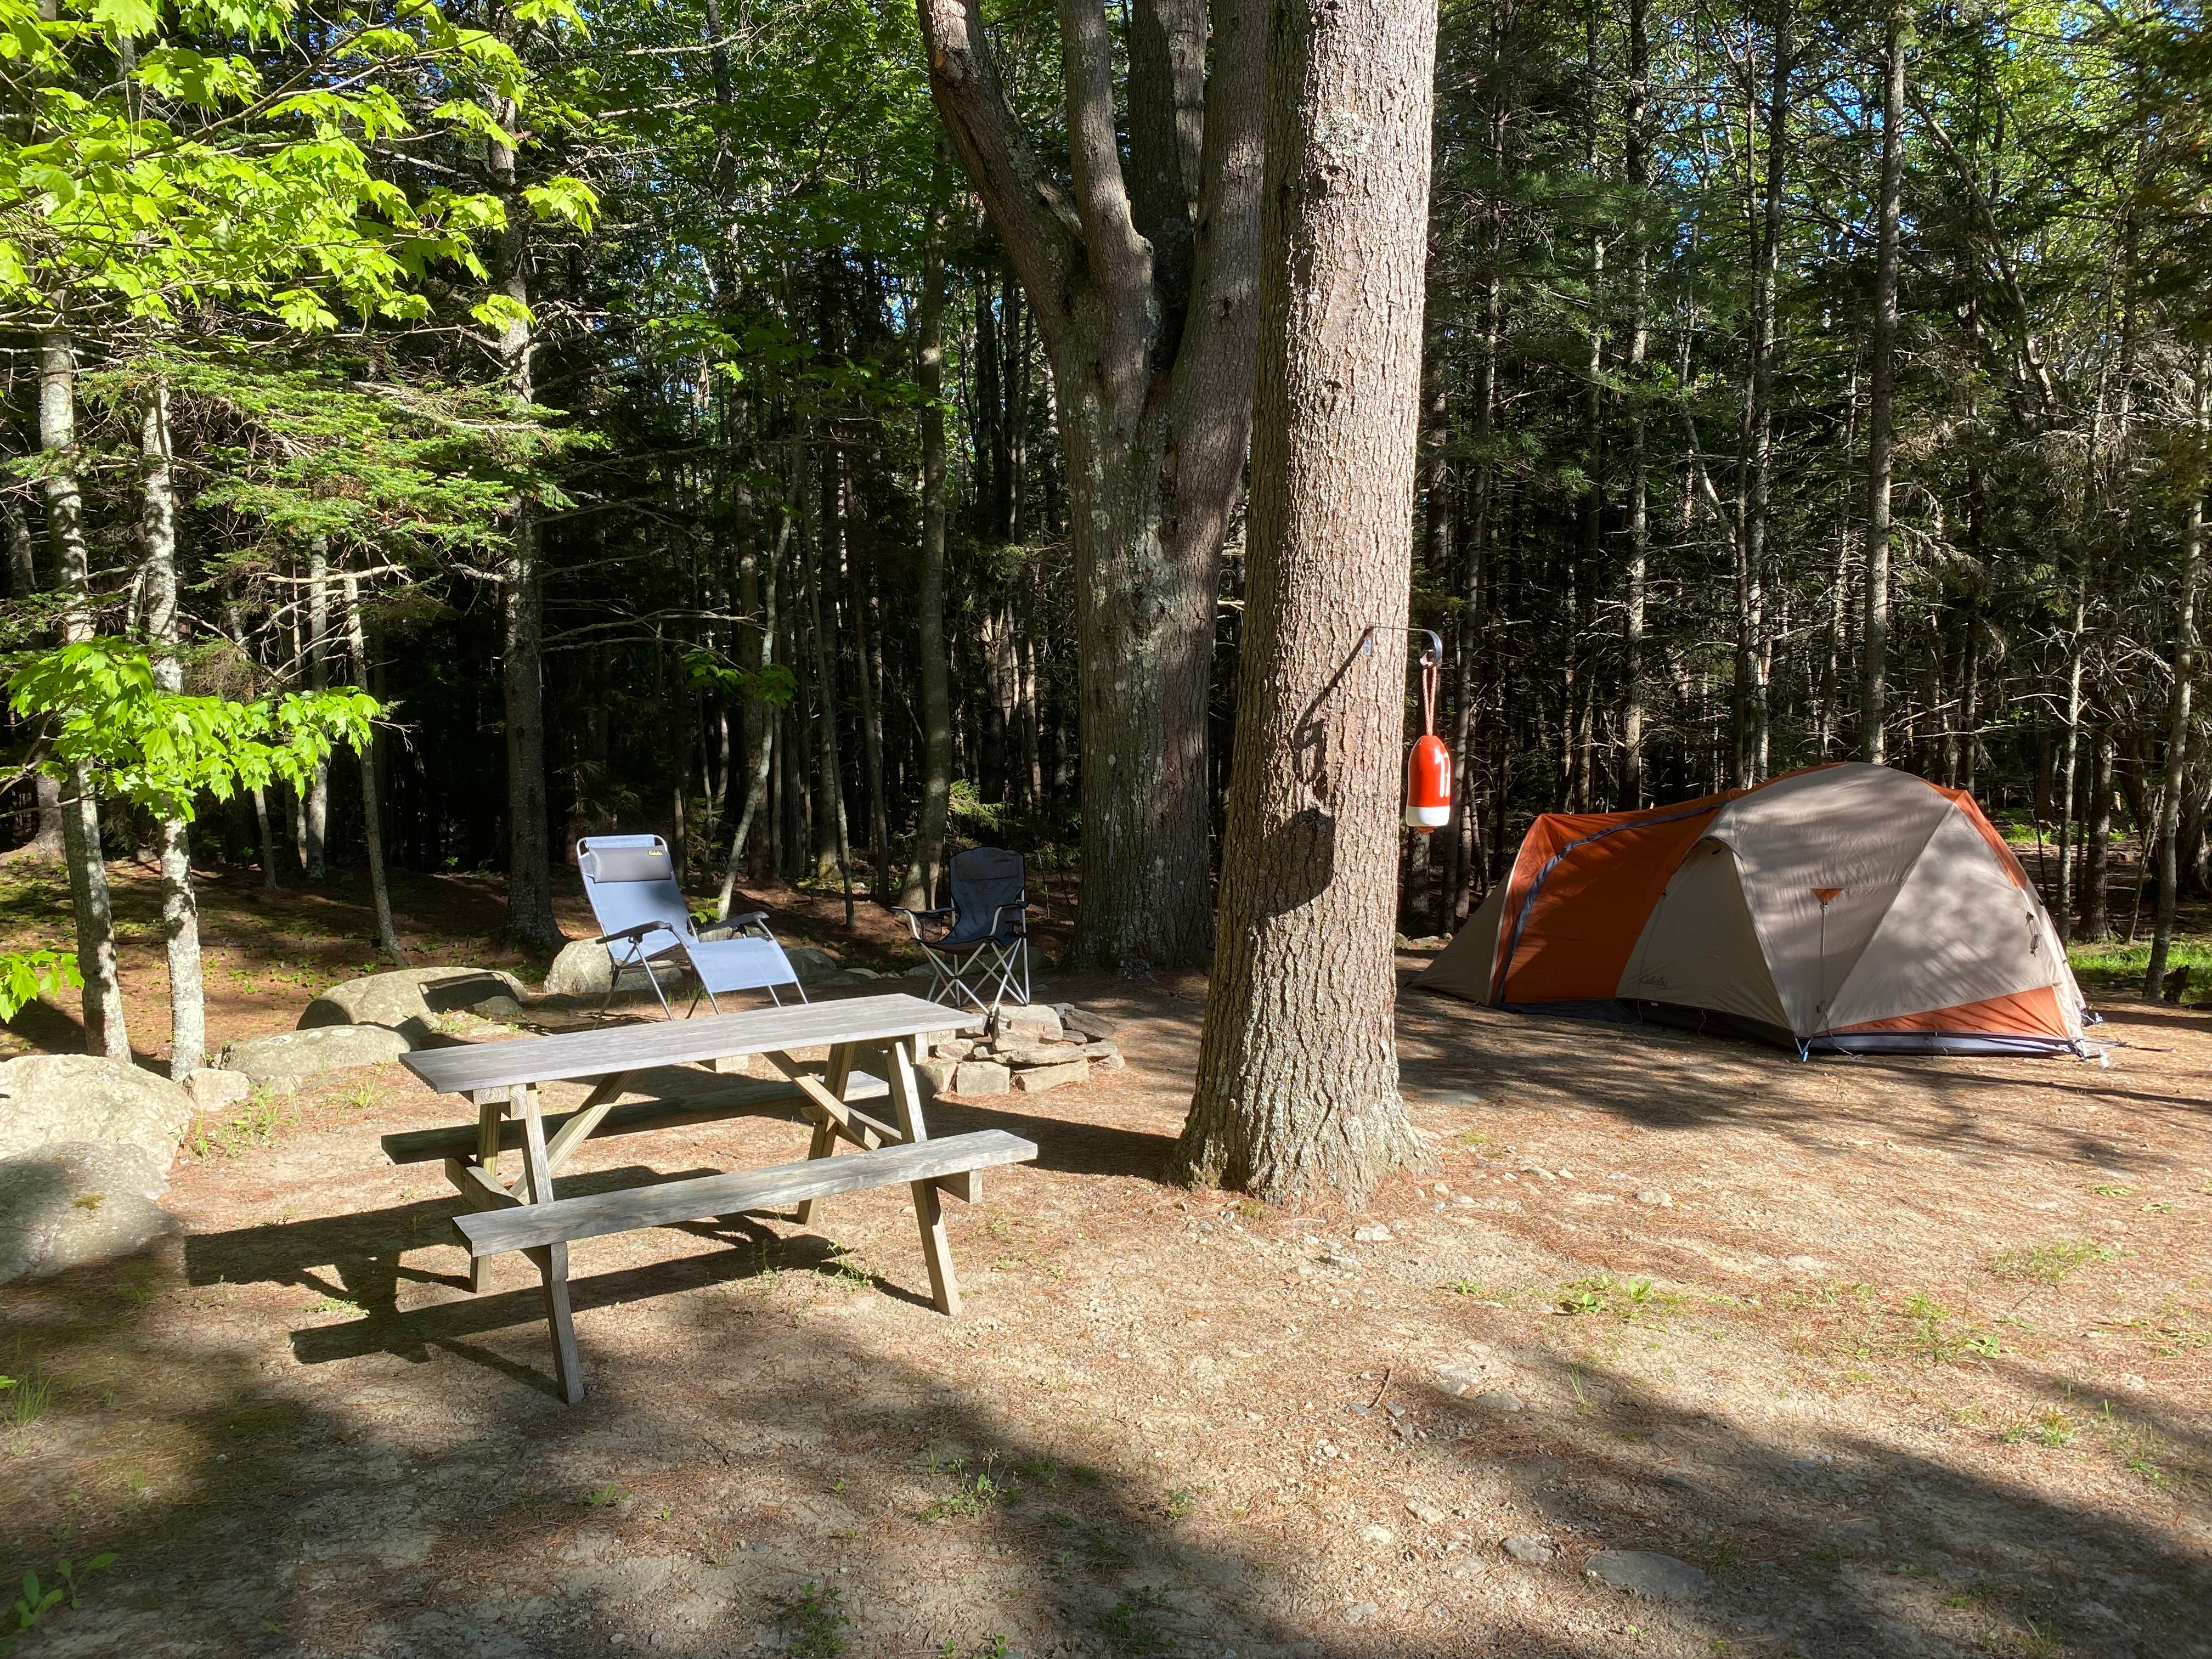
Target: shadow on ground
[[774, 1483]]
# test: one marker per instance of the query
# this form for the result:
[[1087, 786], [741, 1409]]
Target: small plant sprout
[[816, 1623]]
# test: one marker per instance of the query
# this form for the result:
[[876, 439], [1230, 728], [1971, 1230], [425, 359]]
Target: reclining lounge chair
[[631, 883]]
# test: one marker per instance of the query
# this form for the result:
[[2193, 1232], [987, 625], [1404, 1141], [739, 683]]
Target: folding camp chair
[[988, 939], [631, 882]]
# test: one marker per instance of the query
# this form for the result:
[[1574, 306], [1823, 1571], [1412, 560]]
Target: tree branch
[[1121, 260], [1038, 225]]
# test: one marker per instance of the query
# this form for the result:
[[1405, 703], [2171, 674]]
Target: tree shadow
[[1824, 1541], [755, 1467], [1661, 1078]]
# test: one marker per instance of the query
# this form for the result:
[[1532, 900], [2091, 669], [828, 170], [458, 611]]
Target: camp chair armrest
[[1021, 911], [915, 918], [634, 933], [745, 920]]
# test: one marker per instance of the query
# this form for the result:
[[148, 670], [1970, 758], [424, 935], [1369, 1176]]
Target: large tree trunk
[[23, 582], [315, 799], [1297, 1073], [2070, 765], [2097, 856], [530, 920], [1635, 574], [180, 916], [1751, 638], [1873, 681], [761, 715], [1142, 290], [372, 811], [2177, 706], [929, 617], [104, 1031]]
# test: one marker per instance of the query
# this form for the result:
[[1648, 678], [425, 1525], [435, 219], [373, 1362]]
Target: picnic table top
[[467, 1067]]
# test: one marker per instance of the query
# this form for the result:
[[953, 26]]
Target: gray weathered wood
[[528, 1226], [478, 1190], [580, 1124], [832, 1116], [928, 1205], [552, 1259], [638, 1117], [967, 1186], [597, 1054], [491, 1114]]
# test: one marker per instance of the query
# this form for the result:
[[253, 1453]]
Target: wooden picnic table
[[504, 1080]]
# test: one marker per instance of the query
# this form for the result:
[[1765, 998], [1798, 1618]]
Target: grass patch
[[973, 1491], [2140, 1452], [2177, 1330], [24, 1400], [1131, 1624], [2112, 965], [1619, 1298], [2049, 1264], [1920, 1328], [815, 1623], [259, 1119]]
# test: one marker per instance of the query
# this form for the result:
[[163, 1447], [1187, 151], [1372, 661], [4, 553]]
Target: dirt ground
[[1910, 1356]]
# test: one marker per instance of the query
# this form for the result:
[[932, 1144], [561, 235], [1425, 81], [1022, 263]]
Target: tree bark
[[1873, 682], [1758, 424], [529, 920], [920, 893], [372, 811], [1151, 350], [1635, 575], [2096, 854], [761, 715], [2178, 702], [2069, 766], [315, 799], [104, 1030], [1298, 1073], [180, 916]]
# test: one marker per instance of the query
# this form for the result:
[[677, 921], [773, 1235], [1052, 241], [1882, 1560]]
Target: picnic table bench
[[504, 1080]]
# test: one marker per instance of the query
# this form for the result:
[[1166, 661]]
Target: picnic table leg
[[491, 1109], [552, 1260], [835, 1075], [928, 1205]]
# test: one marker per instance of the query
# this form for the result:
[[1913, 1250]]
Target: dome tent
[[1849, 908]]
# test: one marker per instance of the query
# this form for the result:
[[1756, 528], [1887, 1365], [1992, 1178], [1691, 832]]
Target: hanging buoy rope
[[1429, 768]]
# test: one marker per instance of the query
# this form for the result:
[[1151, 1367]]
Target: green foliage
[[24, 1400], [27, 975], [194, 178], [2050, 1264], [39, 1599], [1620, 1298], [773, 685], [816, 1622], [104, 710]]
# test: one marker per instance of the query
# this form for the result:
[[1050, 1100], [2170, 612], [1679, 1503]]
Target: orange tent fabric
[[1582, 889]]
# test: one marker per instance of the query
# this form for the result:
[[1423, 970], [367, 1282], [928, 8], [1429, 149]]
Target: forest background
[[633, 418]]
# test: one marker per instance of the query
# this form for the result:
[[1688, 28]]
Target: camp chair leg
[[929, 1203], [552, 1260]]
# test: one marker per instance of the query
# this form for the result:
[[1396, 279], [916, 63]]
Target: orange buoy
[[1428, 785], [1428, 769]]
